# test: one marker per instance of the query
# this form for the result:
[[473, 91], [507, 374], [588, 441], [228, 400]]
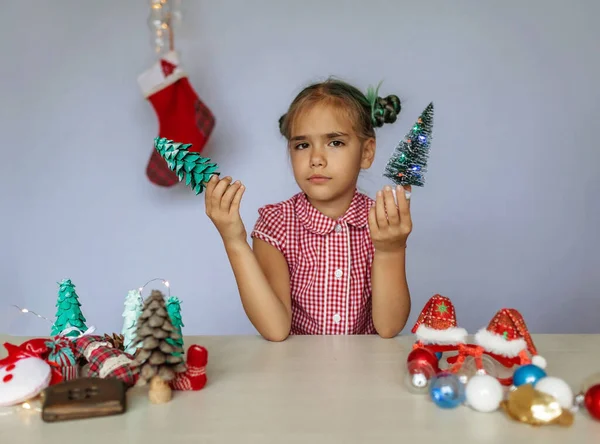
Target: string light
[[163, 281], [141, 289], [89, 331], [28, 311], [164, 16], [33, 405]]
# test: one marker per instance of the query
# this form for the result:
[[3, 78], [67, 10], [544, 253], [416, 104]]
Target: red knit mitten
[[194, 378], [182, 116]]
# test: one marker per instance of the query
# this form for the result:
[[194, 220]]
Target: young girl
[[329, 260]]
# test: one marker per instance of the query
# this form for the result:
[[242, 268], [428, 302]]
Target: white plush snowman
[[23, 380]]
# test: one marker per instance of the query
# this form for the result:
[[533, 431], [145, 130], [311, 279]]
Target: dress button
[[338, 273], [338, 228], [337, 318]]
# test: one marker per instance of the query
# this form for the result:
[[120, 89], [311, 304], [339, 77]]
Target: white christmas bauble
[[539, 361], [558, 388], [484, 393], [419, 380], [23, 380]]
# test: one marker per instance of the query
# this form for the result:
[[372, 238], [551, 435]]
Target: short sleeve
[[270, 226]]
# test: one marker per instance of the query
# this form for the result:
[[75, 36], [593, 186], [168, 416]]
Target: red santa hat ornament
[[437, 323], [507, 335]]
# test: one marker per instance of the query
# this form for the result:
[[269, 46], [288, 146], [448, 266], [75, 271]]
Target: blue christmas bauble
[[446, 391], [438, 355], [527, 374]]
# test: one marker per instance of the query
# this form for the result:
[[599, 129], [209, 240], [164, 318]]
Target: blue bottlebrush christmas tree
[[408, 163]]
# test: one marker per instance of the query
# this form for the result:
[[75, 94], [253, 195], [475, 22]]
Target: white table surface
[[313, 389]]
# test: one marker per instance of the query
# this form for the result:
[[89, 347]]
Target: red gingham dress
[[329, 263]]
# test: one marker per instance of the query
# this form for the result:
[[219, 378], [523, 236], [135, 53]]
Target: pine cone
[[159, 354], [142, 355], [160, 333], [165, 347], [166, 374], [148, 371], [115, 340]]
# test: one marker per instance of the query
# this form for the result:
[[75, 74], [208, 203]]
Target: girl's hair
[[366, 111]]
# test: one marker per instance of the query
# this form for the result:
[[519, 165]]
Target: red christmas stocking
[[194, 378], [182, 116]]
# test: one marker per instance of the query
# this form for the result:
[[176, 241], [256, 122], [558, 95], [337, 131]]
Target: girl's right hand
[[223, 207]]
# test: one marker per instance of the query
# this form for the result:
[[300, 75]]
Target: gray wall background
[[509, 216]]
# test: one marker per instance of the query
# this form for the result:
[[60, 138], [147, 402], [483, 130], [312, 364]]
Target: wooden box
[[83, 398]]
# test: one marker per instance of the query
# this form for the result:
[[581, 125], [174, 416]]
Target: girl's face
[[326, 153]]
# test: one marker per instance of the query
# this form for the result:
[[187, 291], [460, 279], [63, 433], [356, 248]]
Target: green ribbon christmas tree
[[68, 313], [174, 311], [196, 169], [408, 163]]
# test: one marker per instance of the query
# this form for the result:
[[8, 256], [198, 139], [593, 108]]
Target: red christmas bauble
[[421, 358], [592, 401]]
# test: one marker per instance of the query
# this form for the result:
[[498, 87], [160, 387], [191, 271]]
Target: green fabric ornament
[[408, 164], [174, 311], [68, 313], [196, 169]]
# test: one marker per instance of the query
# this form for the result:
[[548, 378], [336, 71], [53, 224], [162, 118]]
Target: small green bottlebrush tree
[[408, 163]]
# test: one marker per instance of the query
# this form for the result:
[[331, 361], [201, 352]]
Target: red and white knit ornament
[[194, 378]]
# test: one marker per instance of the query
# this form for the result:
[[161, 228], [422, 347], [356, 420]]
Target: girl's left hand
[[390, 224]]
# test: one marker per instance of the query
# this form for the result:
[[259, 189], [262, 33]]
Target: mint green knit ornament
[[196, 169]]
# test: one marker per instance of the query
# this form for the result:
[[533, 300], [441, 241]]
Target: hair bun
[[281, 121], [386, 110]]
